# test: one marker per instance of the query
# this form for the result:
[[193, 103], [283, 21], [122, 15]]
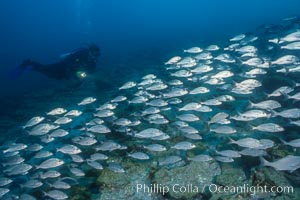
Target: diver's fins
[[16, 72]]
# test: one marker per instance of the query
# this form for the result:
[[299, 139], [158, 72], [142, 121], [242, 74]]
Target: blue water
[[136, 37], [126, 31]]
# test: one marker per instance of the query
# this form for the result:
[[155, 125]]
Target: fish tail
[[231, 141], [283, 141], [44, 193], [252, 127], [273, 113], [250, 104], [264, 162]]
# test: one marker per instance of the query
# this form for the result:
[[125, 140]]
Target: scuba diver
[[74, 66]]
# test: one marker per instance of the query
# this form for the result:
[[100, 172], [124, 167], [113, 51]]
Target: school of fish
[[217, 95]]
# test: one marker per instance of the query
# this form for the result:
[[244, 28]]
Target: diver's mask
[[81, 74]]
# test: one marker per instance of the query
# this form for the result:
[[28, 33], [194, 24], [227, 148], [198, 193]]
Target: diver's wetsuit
[[82, 60]]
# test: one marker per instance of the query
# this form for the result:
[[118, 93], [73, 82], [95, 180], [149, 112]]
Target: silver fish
[[223, 130], [295, 96], [253, 62], [149, 111], [98, 156], [63, 120], [202, 69], [285, 60], [190, 106], [173, 60], [42, 129], [288, 163], [218, 117], [225, 98], [253, 152], [155, 147], [212, 48], [139, 156], [247, 143], [175, 82], [108, 146], [199, 90], [56, 194], [95, 121], [20, 169], [292, 46], [184, 146], [246, 49], [266, 144], [77, 158], [104, 113], [193, 50], [174, 101], [188, 117], [57, 111], [224, 159], [77, 172], [223, 74], [33, 121], [212, 102], [119, 99], [157, 87], [99, 129], [5, 181], [60, 185], [73, 113], [193, 136], [86, 101], [115, 167], [292, 143], [32, 184], [34, 147], [159, 121], [69, 149], [289, 113], [50, 163], [95, 165], [280, 91], [128, 85], [189, 130], [266, 105], [43, 154], [122, 122], [3, 191], [149, 133], [182, 73], [204, 56], [292, 37], [138, 100], [59, 133], [15, 147], [269, 127], [237, 38], [229, 153], [50, 174], [15, 160]]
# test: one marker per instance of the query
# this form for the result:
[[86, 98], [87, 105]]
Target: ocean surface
[[187, 96]]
